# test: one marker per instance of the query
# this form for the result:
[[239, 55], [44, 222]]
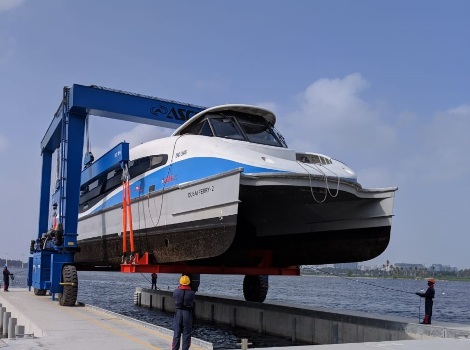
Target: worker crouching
[[183, 322]]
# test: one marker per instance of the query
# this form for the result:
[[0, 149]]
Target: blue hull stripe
[[179, 172]]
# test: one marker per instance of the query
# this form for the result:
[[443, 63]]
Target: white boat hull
[[233, 219]]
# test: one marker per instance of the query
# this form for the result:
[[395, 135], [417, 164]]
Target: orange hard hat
[[432, 280]]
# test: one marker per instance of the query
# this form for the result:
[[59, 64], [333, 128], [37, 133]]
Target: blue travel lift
[[51, 266]]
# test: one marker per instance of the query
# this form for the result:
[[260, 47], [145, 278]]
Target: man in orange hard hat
[[428, 301], [183, 322]]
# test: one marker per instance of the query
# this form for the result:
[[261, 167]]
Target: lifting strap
[[127, 214]]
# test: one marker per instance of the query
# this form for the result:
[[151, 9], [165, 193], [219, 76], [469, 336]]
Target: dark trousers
[[427, 311], [183, 325]]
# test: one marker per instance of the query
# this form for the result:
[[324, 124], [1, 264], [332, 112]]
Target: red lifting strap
[[127, 217]]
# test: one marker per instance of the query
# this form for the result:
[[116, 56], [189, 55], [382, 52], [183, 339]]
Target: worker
[[6, 278], [428, 301], [195, 281], [154, 280], [183, 322]]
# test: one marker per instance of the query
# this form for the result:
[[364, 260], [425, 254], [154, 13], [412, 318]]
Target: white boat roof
[[265, 113]]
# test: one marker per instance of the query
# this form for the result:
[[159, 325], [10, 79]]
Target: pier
[[40, 322], [312, 325]]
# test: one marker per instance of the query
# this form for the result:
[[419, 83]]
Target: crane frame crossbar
[[142, 264]]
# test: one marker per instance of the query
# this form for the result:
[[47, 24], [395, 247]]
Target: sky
[[380, 85]]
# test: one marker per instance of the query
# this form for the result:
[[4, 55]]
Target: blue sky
[[380, 85]]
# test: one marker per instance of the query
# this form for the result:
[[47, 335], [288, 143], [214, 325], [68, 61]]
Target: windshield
[[238, 126], [258, 130], [226, 127], [247, 127]]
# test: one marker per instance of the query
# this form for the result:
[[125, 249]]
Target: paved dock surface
[[431, 344], [88, 327], [80, 327]]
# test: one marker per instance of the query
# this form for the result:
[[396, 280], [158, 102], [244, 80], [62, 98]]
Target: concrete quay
[[48, 325], [325, 329]]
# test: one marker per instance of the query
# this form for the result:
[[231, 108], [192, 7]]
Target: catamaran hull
[[235, 219]]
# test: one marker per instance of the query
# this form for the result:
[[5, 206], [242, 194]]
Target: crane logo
[[181, 114], [159, 111]]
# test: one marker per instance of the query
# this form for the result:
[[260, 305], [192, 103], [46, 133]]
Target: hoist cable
[[366, 283]]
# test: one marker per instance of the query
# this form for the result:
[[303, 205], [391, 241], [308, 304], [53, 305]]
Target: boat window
[[302, 158], [313, 159], [225, 127], [206, 129], [258, 130], [92, 193], [156, 161], [93, 185], [202, 128]]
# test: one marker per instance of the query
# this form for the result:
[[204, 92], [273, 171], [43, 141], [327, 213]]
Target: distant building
[[369, 267], [442, 268], [347, 266], [407, 266]]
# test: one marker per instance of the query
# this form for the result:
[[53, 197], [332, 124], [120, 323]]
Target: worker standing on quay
[[183, 322], [154, 280], [428, 297], [6, 278]]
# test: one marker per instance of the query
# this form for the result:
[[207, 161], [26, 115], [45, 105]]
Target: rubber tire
[[255, 288], [69, 293], [39, 291]]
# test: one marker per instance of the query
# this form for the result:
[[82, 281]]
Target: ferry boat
[[225, 190]]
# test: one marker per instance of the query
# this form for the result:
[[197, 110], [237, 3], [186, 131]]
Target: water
[[115, 291]]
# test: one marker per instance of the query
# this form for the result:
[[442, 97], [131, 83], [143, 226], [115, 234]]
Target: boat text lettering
[[168, 179], [180, 154], [200, 191]]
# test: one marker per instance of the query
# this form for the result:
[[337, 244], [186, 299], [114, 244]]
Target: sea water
[[114, 291]]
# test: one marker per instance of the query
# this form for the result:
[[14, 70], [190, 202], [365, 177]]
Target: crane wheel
[[255, 287], [70, 287]]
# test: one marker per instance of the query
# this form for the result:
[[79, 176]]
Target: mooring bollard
[[2, 311], [11, 328], [19, 331], [137, 298], [6, 320], [244, 344]]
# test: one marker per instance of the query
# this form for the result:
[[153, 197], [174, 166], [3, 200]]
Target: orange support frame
[[142, 264]]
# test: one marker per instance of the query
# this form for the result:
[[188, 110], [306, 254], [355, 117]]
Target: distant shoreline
[[349, 274]]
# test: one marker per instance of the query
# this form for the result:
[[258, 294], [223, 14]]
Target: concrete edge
[[22, 319], [196, 341]]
